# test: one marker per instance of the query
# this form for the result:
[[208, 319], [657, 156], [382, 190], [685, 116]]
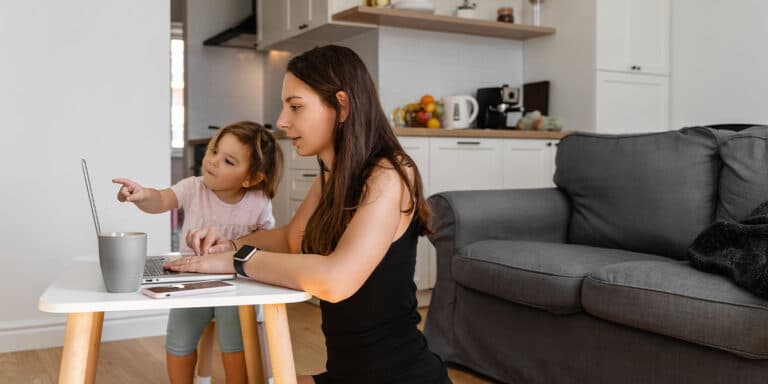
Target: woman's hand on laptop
[[208, 240], [213, 263]]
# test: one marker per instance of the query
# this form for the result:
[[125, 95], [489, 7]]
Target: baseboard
[[51, 334]]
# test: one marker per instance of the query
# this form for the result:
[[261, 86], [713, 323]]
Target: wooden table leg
[[279, 340], [81, 348], [251, 344]]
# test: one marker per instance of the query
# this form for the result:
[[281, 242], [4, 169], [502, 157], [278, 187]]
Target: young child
[[240, 173]]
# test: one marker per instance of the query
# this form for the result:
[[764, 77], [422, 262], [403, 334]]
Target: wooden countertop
[[427, 132], [481, 133]]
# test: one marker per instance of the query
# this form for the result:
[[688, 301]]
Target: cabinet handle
[[309, 175], [468, 142], [639, 68], [549, 144], [303, 26]]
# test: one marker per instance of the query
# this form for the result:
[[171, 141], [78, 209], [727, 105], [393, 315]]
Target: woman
[[352, 242]]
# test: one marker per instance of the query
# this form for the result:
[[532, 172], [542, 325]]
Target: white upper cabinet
[[273, 21], [299, 14], [633, 36], [288, 19], [304, 15]]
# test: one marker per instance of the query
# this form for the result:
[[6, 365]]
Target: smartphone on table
[[187, 289]]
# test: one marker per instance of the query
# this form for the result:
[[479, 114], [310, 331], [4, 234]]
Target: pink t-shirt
[[202, 208]]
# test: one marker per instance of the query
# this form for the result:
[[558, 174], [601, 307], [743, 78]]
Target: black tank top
[[371, 337]]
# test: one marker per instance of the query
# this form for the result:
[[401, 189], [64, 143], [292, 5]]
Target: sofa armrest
[[464, 217]]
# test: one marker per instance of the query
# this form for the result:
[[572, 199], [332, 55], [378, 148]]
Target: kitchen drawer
[[464, 164], [299, 182]]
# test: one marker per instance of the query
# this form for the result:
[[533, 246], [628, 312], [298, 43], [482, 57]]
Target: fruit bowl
[[424, 114]]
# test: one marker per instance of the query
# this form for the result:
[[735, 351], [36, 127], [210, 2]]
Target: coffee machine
[[499, 107]]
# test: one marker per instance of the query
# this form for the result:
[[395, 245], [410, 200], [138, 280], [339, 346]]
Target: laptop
[[154, 273]]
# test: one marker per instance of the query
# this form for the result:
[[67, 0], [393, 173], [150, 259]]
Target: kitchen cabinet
[[298, 174], [287, 20], [633, 36], [280, 202], [273, 21], [528, 163], [445, 164], [643, 97], [608, 63], [464, 163], [418, 149]]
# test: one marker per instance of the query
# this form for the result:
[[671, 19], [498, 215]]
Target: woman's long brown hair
[[360, 143]]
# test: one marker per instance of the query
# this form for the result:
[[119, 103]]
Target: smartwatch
[[241, 256]]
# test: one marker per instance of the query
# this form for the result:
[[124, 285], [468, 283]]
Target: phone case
[[187, 289]]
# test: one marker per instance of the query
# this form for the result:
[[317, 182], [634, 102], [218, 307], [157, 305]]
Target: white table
[[79, 291]]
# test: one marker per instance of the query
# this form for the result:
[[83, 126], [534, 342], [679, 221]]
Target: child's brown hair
[[266, 156]]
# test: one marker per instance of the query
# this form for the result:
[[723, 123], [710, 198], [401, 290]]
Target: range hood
[[243, 35]]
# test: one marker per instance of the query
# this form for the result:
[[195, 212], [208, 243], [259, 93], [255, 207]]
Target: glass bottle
[[536, 10], [506, 14]]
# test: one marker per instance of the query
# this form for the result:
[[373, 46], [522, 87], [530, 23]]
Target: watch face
[[245, 252]]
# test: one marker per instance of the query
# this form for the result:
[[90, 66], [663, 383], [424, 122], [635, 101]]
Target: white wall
[[406, 63], [78, 78], [223, 85], [567, 60], [719, 56], [364, 44], [413, 63]]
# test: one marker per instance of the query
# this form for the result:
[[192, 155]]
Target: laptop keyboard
[[154, 266]]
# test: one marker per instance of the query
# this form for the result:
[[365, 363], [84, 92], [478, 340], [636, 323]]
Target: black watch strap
[[240, 268]]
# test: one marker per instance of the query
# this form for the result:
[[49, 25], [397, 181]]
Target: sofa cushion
[[744, 177], [541, 275], [650, 193], [676, 300]]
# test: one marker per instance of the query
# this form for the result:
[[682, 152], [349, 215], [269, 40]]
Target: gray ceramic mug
[[122, 256]]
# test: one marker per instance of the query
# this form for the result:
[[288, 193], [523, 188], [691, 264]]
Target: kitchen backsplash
[[412, 63]]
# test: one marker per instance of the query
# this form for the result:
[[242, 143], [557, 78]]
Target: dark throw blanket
[[737, 250]]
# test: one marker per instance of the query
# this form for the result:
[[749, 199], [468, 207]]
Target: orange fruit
[[427, 99], [433, 123], [429, 107]]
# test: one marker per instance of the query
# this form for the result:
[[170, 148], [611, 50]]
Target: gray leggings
[[185, 325]]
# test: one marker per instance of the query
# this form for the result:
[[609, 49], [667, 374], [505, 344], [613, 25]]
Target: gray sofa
[[589, 282]]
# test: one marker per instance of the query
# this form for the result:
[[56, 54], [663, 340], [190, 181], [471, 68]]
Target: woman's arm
[[149, 200], [364, 243], [375, 225]]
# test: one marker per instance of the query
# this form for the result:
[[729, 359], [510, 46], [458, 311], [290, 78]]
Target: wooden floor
[[143, 360]]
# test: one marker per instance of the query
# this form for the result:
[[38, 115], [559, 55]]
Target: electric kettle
[[460, 111]]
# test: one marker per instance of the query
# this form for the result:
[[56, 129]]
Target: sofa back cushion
[[744, 176], [650, 193]]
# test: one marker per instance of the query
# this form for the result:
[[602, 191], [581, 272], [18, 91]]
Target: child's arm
[[149, 200]]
